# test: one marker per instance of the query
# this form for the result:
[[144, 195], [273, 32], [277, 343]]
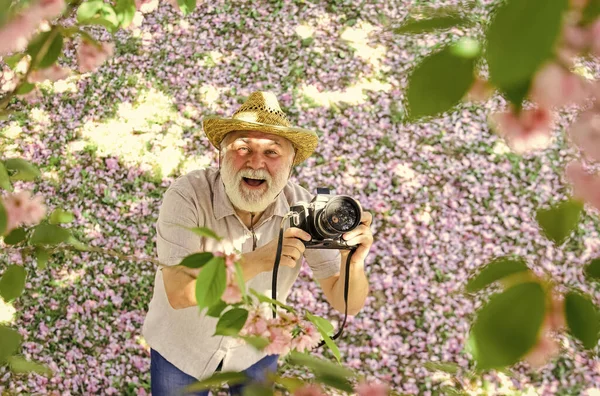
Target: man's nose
[[256, 161]]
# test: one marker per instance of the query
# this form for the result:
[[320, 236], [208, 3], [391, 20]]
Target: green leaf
[[186, 6], [216, 309], [583, 318], [559, 221], [125, 12], [218, 378], [13, 60], [49, 234], [520, 38], [443, 22], [205, 232], [592, 269], [19, 365], [331, 344], [590, 13], [320, 366], [239, 275], [88, 10], [12, 282], [450, 368], [264, 299], [231, 322], [440, 81], [53, 51], [321, 323], [290, 383], [257, 389], [25, 171], [4, 178], [25, 88], [60, 216], [497, 269], [3, 219], [507, 327], [16, 236], [42, 256], [259, 343], [98, 13], [9, 342], [211, 283], [197, 260], [335, 382]]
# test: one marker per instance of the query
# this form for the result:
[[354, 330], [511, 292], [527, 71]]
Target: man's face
[[255, 168]]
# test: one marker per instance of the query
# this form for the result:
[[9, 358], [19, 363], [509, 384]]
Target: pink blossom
[[232, 293], [256, 325], [372, 389], [52, 73], [17, 32], [528, 131], [545, 350], [586, 186], [585, 133], [480, 91], [90, 57], [146, 6], [21, 209], [309, 390], [554, 86], [49, 9], [555, 315], [308, 339], [280, 341]]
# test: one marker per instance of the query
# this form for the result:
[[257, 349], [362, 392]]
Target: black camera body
[[326, 218]]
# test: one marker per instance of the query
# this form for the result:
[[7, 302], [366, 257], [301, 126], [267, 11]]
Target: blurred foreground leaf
[[559, 221], [507, 327], [12, 282], [583, 318]]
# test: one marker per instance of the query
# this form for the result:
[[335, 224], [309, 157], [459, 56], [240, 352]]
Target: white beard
[[251, 200]]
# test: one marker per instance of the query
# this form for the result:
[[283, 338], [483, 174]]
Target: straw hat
[[261, 112]]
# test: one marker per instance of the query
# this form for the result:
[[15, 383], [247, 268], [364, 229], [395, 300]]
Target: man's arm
[[333, 287]]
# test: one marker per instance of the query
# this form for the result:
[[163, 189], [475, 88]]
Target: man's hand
[[361, 236], [263, 258]]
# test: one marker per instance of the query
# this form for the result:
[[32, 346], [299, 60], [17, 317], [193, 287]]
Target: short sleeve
[[174, 242], [323, 262]]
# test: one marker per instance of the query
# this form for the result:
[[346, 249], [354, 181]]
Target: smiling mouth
[[253, 182]]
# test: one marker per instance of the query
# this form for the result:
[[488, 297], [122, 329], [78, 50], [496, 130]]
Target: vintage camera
[[326, 218]]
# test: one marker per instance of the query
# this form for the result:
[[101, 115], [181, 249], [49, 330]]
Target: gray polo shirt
[[198, 199]]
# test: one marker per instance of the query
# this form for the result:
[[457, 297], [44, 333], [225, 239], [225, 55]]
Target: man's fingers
[[295, 232], [366, 218], [360, 230], [291, 252], [295, 243]]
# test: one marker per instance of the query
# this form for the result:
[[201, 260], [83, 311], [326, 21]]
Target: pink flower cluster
[[553, 87], [547, 346], [22, 209], [91, 56], [52, 73], [285, 333], [362, 389], [17, 32]]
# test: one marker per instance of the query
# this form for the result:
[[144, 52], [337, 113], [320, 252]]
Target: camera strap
[[274, 282]]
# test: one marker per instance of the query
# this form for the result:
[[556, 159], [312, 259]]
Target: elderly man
[[244, 202]]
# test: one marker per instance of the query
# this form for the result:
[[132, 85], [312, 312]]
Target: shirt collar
[[222, 206]]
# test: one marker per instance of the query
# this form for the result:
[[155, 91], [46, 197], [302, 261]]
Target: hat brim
[[304, 141]]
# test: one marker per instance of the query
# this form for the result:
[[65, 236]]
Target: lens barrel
[[340, 215]]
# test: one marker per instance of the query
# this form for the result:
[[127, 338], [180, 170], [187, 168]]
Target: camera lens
[[340, 215]]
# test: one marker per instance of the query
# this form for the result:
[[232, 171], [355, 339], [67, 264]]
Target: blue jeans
[[167, 380]]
